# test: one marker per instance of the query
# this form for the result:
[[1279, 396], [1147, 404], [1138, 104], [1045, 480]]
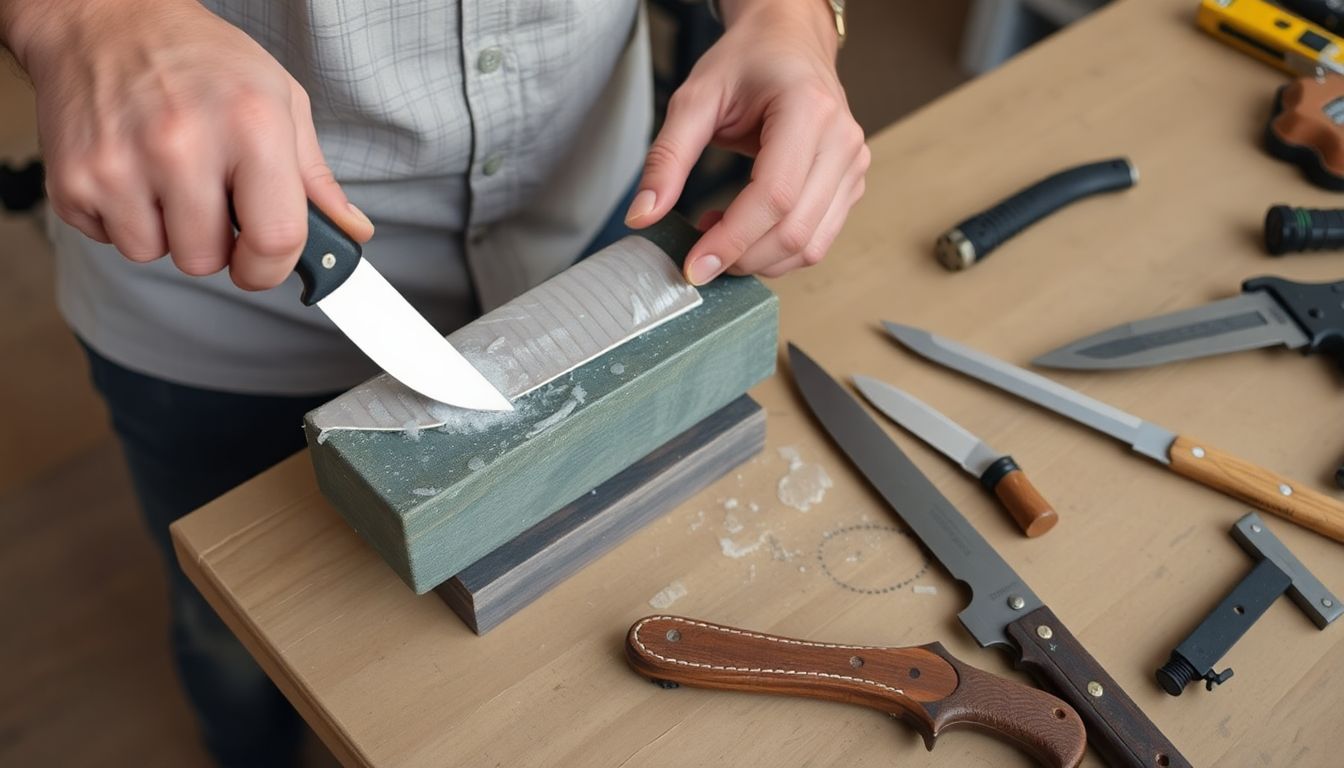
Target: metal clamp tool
[[1277, 572]]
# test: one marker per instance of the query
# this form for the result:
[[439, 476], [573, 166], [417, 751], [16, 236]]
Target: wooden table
[[388, 678]]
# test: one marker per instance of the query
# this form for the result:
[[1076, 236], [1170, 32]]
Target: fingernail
[[641, 205], [359, 214], [704, 269]]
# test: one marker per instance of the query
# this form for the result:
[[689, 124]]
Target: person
[[493, 143]]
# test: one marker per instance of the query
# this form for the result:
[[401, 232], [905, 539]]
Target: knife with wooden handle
[[1255, 485], [924, 685]]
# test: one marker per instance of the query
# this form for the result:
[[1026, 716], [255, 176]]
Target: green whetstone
[[505, 581], [433, 502]]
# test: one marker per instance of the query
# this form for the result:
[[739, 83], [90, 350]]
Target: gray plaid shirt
[[487, 139]]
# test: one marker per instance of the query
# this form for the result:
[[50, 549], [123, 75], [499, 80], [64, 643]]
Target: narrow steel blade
[[1144, 437], [1249, 321], [938, 524], [929, 425], [388, 329]]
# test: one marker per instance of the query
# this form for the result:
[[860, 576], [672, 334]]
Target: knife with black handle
[[924, 685], [1003, 611]]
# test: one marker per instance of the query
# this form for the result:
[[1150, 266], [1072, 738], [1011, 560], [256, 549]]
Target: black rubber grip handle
[[1295, 230], [328, 259], [1317, 308], [977, 237]]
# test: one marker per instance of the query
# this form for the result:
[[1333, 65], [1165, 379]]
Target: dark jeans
[[185, 446]]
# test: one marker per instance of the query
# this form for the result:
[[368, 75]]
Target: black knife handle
[[976, 237], [1115, 724], [1317, 308], [328, 259], [321, 275]]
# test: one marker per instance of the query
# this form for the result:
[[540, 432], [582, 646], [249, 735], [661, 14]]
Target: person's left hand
[[768, 88]]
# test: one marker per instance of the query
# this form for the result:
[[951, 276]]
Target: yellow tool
[[1273, 35]]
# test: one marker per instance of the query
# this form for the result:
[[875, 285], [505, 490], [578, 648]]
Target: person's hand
[[767, 88], [154, 115]]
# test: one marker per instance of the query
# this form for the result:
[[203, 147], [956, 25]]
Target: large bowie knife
[[1270, 312], [1186, 456], [1003, 610]]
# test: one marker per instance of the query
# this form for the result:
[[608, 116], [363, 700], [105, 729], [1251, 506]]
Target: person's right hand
[[154, 115]]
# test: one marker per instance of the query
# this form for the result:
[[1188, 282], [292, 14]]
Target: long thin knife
[[997, 472], [1186, 456], [1003, 610], [383, 324], [1270, 312]]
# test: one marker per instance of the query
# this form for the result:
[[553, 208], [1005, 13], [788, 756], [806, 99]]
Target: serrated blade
[[1249, 321], [399, 340], [962, 551], [948, 437], [1144, 437]]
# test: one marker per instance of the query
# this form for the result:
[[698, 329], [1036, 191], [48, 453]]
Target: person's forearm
[[815, 14]]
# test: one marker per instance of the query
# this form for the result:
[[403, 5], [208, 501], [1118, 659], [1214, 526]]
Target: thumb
[[687, 130], [320, 185]]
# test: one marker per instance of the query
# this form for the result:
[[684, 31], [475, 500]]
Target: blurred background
[[87, 678]]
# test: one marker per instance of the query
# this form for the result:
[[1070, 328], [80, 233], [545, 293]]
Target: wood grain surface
[[391, 679], [1032, 513], [1259, 487], [505, 581], [924, 685]]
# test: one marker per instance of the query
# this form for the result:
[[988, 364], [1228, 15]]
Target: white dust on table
[[426, 491], [667, 596], [617, 369], [476, 464], [925, 589], [699, 521], [804, 485], [738, 551], [411, 430]]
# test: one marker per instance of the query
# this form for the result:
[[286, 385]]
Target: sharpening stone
[[433, 501], [505, 581]]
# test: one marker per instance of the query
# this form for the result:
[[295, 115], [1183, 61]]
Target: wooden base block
[[435, 501], [508, 579]]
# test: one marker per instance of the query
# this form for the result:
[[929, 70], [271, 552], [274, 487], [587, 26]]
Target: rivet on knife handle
[[925, 685], [1052, 655], [1258, 487]]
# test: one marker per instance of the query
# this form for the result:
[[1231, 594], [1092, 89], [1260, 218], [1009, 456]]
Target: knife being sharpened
[[372, 314], [923, 685], [1003, 611], [997, 472], [1190, 458], [1269, 312]]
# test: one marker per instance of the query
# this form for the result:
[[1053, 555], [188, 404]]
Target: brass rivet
[[1044, 632], [1094, 689]]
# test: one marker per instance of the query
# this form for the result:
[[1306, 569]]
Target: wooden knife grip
[[1258, 487], [1115, 724], [1029, 509], [925, 685]]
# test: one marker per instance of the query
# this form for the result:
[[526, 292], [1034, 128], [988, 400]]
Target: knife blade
[[1186, 456], [1270, 312], [1003, 610], [379, 320], [998, 472], [923, 685]]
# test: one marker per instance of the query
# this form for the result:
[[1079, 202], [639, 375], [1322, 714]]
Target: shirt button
[[489, 60], [492, 164]]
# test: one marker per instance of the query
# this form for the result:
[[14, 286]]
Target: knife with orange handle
[[924, 685], [1192, 459]]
